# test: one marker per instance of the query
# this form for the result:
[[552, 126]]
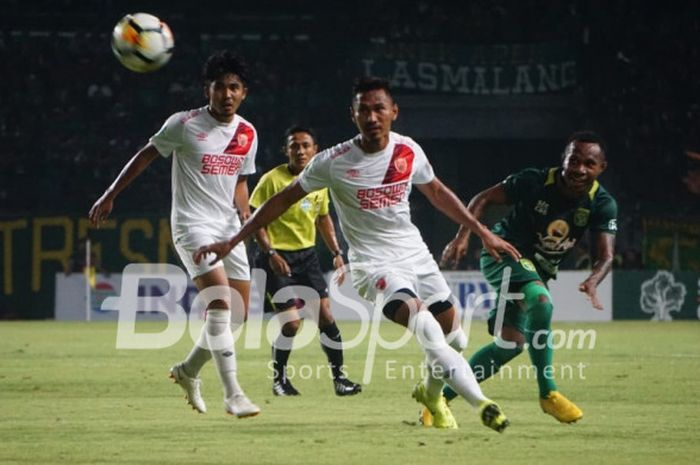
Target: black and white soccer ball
[[142, 42]]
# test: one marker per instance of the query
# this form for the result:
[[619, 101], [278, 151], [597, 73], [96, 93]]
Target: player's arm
[[139, 162], [605, 249], [240, 197], [448, 203], [278, 264], [455, 250], [268, 212], [325, 227]]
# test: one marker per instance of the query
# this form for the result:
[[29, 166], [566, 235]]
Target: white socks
[[443, 361], [198, 356], [220, 342]]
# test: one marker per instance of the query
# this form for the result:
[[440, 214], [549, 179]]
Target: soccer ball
[[142, 42]]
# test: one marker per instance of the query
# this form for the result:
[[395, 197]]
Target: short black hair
[[224, 62], [591, 137], [295, 128], [367, 83]]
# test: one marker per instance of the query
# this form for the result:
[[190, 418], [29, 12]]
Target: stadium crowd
[[70, 115]]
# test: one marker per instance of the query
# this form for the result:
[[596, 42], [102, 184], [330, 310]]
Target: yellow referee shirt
[[296, 228]]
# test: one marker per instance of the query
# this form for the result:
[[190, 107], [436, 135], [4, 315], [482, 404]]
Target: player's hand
[[495, 245], [591, 291], [454, 251], [100, 210], [339, 265], [279, 265], [220, 249]]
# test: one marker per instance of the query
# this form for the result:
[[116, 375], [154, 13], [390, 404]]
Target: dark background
[[71, 115]]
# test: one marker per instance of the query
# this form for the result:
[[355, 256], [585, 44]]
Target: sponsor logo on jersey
[[191, 114], [400, 165], [612, 226], [223, 164], [380, 197], [340, 150], [202, 136], [352, 173], [557, 240], [542, 207]]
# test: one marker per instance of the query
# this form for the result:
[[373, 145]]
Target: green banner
[[656, 295], [34, 249], [498, 70], [671, 244]]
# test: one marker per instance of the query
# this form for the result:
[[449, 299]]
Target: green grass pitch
[[68, 396]]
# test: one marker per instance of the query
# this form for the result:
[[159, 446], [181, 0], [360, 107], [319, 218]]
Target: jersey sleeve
[[262, 192], [169, 136], [249, 162], [522, 183], [604, 217], [325, 203], [316, 175], [423, 171]]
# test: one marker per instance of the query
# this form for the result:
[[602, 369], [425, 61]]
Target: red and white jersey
[[208, 158], [370, 193]]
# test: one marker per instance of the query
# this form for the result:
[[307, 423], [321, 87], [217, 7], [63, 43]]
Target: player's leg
[[444, 364], [237, 277], [446, 315], [219, 336], [186, 373], [538, 302], [509, 341], [282, 349], [332, 345], [330, 337], [436, 292], [291, 321]]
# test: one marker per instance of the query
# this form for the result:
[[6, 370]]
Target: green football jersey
[[544, 224]]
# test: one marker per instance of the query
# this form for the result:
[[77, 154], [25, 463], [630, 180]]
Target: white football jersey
[[208, 158], [370, 193]]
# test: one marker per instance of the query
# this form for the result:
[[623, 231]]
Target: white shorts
[[423, 277], [235, 263]]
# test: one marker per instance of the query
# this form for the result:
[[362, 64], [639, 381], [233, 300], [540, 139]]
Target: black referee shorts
[[306, 271]]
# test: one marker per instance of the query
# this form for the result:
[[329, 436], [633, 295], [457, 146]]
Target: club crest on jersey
[[242, 139], [306, 204], [352, 173], [581, 217], [401, 165]]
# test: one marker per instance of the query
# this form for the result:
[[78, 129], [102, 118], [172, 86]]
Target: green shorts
[[521, 272]]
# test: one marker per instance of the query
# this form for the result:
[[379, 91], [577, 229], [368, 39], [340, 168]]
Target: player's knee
[[397, 302], [325, 317], [290, 328], [439, 307], [538, 300]]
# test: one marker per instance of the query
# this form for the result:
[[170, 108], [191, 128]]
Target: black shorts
[[306, 271]]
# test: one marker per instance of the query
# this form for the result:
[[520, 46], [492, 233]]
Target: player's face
[[583, 163], [225, 95], [373, 112], [300, 149]]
